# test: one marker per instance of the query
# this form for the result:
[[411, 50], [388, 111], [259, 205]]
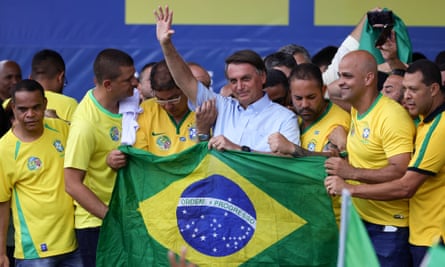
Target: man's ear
[[107, 85], [369, 78], [435, 89]]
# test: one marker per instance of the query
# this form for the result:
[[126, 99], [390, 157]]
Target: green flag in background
[[355, 247], [228, 209], [435, 257]]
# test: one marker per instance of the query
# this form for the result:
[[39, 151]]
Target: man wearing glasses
[[166, 125]]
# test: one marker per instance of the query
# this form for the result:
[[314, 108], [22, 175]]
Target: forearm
[[395, 63], [298, 152], [357, 31], [88, 200], [4, 223], [180, 71], [82, 194], [404, 187], [374, 176]]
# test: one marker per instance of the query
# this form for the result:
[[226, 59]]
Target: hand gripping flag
[[228, 208]]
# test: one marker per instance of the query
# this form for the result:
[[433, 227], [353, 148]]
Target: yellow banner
[[212, 12], [349, 12]]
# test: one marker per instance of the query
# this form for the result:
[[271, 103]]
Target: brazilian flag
[[227, 208]]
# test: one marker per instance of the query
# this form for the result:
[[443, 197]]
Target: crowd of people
[[378, 124]]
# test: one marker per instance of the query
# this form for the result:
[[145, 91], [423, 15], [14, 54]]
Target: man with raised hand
[[244, 122]]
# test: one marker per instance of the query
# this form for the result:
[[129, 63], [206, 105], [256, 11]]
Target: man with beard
[[320, 118]]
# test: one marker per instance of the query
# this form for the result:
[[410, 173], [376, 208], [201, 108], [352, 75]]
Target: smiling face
[[357, 71], [246, 82]]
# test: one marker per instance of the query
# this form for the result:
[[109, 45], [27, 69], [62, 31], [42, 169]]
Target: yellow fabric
[[159, 134], [62, 104], [427, 208], [93, 134], [315, 138], [31, 176], [385, 130], [281, 224]]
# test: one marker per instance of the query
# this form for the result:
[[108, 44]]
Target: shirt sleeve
[[429, 157], [348, 45]]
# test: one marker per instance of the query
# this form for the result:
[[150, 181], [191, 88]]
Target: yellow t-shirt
[[427, 206], [94, 132], [62, 104], [159, 133], [385, 130], [31, 176], [315, 138]]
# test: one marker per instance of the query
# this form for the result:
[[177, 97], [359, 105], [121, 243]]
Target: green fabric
[[291, 222], [359, 250], [370, 35], [435, 256]]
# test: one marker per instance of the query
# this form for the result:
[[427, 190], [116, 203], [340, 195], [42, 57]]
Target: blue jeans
[[87, 239], [71, 259], [417, 254], [390, 244]]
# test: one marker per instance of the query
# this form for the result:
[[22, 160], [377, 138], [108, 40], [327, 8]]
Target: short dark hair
[[277, 59], [293, 49], [430, 71], [398, 72], [275, 77], [108, 62], [146, 66], [27, 85], [161, 78], [440, 58], [307, 71], [324, 56], [47, 63], [249, 57]]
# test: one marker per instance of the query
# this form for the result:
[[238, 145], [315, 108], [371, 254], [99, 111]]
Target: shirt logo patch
[[34, 163], [311, 146], [58, 145], [114, 133], [163, 142], [193, 132], [366, 133]]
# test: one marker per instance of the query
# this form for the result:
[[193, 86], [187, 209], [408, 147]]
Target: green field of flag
[[228, 208]]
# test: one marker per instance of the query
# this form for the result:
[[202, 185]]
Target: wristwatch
[[246, 149], [203, 137]]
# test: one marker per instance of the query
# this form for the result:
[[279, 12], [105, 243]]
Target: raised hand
[[163, 24]]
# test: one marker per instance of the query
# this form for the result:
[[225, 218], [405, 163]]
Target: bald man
[[379, 144], [10, 75]]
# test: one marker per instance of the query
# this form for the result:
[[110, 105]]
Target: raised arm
[[179, 69]]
